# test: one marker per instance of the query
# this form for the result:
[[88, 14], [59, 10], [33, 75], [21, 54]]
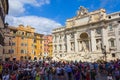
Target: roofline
[[113, 13]]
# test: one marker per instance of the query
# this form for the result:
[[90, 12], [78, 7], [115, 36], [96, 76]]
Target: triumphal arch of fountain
[[88, 36]]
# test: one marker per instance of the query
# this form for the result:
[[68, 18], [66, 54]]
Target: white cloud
[[42, 25], [17, 7]]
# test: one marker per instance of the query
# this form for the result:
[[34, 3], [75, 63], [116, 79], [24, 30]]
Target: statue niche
[[72, 46], [84, 42], [99, 45]]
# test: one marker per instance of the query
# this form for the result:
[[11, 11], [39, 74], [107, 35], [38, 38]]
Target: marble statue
[[85, 46], [80, 46], [99, 45], [82, 11], [72, 46]]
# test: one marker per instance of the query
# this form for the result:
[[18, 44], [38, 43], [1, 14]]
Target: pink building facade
[[48, 46]]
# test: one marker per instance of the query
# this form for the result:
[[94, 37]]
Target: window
[[22, 37], [22, 51], [26, 44], [13, 37], [10, 44], [112, 43], [11, 51], [110, 27], [22, 33], [14, 32], [60, 36], [13, 44], [34, 41], [22, 44], [113, 54], [60, 55]]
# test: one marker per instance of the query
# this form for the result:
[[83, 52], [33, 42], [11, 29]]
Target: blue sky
[[45, 15]]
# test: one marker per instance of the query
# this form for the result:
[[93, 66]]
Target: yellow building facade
[[38, 46], [23, 44]]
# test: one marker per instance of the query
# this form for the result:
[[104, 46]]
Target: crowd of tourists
[[58, 70]]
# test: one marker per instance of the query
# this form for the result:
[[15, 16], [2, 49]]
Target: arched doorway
[[84, 42]]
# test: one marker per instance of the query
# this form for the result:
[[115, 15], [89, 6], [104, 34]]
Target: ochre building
[[23, 44]]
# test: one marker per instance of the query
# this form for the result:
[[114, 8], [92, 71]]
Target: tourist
[[93, 74], [77, 74], [117, 74], [109, 76]]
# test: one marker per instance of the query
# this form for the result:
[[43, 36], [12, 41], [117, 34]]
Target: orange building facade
[[23, 43]]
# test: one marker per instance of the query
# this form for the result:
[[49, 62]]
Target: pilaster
[[105, 38], [68, 43], [76, 43], [93, 41]]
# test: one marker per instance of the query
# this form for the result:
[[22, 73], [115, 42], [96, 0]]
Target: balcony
[[113, 48]]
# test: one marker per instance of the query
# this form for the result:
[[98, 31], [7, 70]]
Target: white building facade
[[88, 36]]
